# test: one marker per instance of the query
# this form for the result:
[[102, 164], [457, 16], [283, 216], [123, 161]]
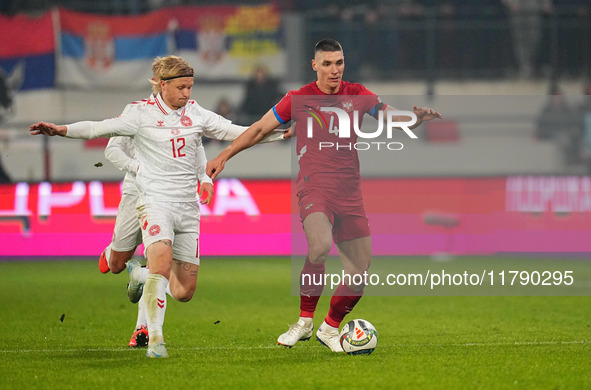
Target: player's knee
[[185, 295], [117, 268], [119, 259], [160, 249], [318, 253]]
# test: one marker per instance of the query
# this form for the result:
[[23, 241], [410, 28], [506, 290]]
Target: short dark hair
[[327, 44]]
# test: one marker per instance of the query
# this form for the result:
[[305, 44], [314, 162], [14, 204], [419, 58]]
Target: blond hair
[[164, 68]]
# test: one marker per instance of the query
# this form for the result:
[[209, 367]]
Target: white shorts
[[174, 221], [127, 234]]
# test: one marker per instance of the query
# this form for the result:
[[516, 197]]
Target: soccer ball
[[358, 337]]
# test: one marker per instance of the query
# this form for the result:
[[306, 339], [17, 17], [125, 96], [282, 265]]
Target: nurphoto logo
[[395, 119]]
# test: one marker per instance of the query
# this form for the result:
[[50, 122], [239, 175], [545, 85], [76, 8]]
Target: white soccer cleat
[[300, 331], [329, 337], [157, 351], [134, 288]]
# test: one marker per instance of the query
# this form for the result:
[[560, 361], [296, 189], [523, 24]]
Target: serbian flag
[[28, 44], [110, 51], [228, 42]]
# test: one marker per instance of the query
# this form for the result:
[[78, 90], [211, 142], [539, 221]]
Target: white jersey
[[167, 142], [121, 153]]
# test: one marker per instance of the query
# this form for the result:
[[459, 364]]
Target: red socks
[[342, 302], [311, 286]]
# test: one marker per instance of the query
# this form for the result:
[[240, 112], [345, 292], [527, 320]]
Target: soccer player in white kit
[[127, 234], [166, 132]]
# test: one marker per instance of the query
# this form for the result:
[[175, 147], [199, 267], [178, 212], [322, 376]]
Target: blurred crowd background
[[439, 51], [398, 39]]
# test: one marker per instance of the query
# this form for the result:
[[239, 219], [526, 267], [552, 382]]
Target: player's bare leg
[[318, 233], [183, 280], [118, 260], [356, 258], [319, 236], [159, 256], [111, 260]]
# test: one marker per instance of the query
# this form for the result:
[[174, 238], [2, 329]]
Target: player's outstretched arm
[[46, 128], [254, 134], [423, 114], [125, 124]]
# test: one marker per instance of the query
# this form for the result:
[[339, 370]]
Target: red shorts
[[347, 216]]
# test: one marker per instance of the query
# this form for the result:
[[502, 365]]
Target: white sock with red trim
[[155, 304]]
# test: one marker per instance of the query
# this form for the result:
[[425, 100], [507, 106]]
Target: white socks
[[140, 274], [154, 298], [108, 255]]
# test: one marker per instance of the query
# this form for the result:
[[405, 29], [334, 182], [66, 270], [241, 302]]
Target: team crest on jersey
[[186, 121], [348, 105], [175, 131], [154, 229], [160, 124]]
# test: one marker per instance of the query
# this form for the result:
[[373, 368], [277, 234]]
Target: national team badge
[[348, 105], [154, 229], [186, 121]]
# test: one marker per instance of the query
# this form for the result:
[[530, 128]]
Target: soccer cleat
[[134, 288], [329, 337], [103, 264], [139, 338], [157, 351], [297, 332]]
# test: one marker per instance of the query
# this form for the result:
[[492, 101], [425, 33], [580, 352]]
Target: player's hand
[[207, 188], [426, 113], [47, 128], [287, 134], [214, 167]]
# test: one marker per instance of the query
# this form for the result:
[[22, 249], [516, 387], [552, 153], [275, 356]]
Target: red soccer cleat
[[139, 338], [103, 265]]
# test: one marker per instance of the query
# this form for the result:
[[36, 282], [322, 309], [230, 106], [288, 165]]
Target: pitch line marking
[[261, 347]]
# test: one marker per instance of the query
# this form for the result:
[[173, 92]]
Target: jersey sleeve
[[120, 153], [201, 163], [128, 124], [372, 102], [217, 127], [282, 110]]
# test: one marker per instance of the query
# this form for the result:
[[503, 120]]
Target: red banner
[[254, 217], [77, 219]]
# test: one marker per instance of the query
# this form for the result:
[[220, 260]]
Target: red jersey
[[325, 159]]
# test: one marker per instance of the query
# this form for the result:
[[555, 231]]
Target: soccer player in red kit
[[328, 184]]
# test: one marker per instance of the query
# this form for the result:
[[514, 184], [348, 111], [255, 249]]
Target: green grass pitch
[[226, 336]]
